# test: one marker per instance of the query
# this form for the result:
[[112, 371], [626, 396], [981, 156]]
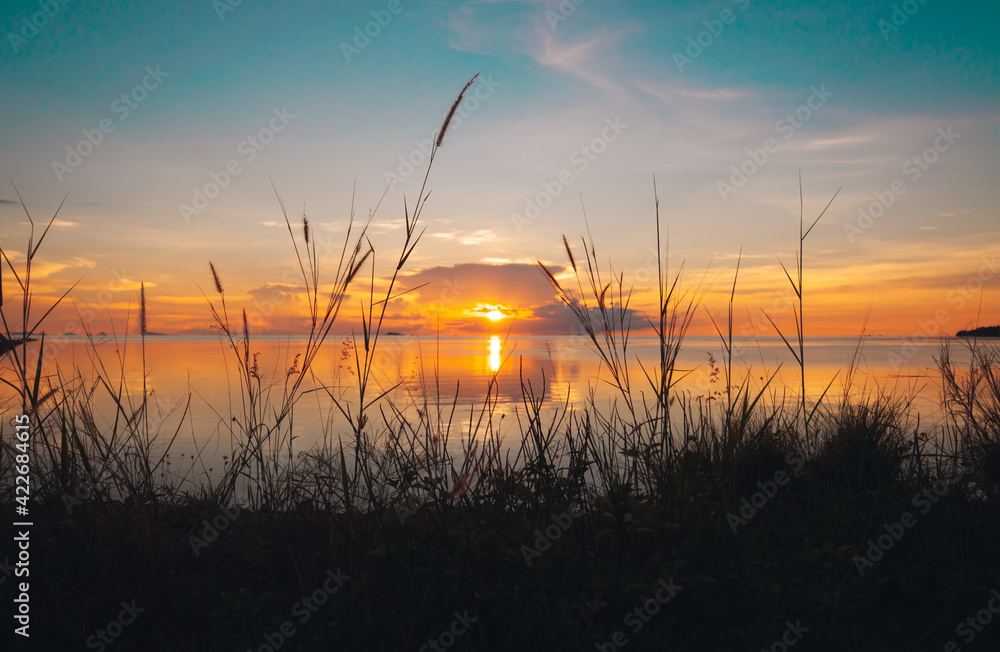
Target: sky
[[171, 129]]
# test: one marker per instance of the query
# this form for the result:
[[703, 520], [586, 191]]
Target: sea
[[196, 399]]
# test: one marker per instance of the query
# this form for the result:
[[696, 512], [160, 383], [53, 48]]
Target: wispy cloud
[[842, 141], [717, 94], [478, 237], [580, 58]]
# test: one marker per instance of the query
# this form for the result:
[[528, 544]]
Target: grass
[[759, 505]]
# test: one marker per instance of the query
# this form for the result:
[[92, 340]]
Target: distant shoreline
[[983, 331], [700, 339]]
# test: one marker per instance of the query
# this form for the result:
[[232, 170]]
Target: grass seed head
[[451, 112], [215, 277], [142, 308]]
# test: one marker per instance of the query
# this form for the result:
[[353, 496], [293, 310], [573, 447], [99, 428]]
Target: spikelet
[[569, 252], [215, 277], [142, 309], [357, 266], [552, 279], [600, 299], [451, 112]]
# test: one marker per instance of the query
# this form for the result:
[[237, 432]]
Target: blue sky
[[551, 81]]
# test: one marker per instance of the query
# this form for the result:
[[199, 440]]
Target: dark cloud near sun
[[514, 285], [517, 290], [556, 318]]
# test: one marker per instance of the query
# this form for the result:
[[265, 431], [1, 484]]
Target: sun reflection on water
[[494, 353]]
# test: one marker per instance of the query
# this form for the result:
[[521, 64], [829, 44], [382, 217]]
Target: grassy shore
[[745, 522]]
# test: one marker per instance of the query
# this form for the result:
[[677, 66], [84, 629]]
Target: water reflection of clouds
[[434, 373]]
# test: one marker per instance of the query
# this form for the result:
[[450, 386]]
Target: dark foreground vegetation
[[744, 522]]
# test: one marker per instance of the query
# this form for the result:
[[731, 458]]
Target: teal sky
[[549, 84]]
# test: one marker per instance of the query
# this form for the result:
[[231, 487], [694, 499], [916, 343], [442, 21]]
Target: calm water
[[439, 371]]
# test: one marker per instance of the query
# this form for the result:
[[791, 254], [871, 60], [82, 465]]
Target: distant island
[[9, 345], [982, 331]]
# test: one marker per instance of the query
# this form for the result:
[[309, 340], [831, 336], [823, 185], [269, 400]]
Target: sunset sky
[[577, 105]]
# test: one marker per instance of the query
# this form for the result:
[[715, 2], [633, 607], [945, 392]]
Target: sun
[[494, 315]]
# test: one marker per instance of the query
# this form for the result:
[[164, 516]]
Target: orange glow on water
[[494, 353]]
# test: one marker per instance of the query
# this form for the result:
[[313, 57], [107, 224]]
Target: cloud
[[492, 27], [462, 295], [555, 318], [463, 286], [42, 269], [715, 94], [577, 59], [276, 291], [485, 309], [836, 141], [482, 236], [490, 260]]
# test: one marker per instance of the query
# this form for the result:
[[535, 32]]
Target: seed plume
[[569, 252], [451, 112], [142, 309], [215, 277]]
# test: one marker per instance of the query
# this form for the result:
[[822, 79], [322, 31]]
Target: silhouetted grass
[[759, 503]]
